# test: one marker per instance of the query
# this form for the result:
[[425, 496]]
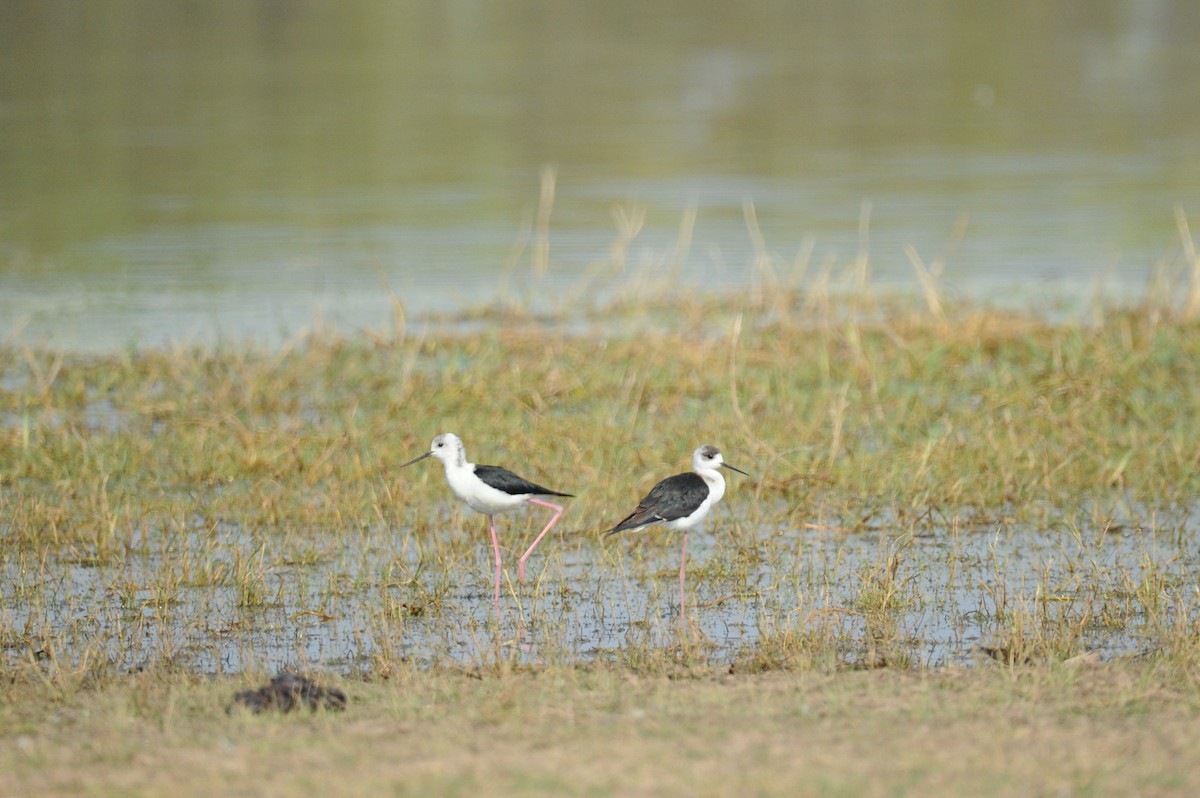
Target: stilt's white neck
[[715, 482]]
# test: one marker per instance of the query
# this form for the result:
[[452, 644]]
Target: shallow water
[[230, 169], [347, 601]]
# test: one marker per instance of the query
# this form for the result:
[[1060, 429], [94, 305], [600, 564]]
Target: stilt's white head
[[708, 458], [446, 447]]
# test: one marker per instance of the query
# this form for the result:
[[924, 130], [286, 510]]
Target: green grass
[[1000, 413], [228, 463], [199, 496]]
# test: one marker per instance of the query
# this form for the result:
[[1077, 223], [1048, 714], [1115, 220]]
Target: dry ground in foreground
[[1118, 729]]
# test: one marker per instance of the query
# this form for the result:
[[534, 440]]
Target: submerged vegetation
[[934, 483]]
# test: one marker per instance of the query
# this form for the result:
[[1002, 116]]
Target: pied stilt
[[681, 502], [490, 490]]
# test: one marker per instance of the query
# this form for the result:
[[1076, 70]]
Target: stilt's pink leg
[[496, 549], [682, 564], [558, 511]]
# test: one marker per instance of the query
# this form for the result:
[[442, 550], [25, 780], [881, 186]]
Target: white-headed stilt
[[490, 490]]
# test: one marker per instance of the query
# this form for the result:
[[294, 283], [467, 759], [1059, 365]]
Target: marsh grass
[[924, 469], [239, 469]]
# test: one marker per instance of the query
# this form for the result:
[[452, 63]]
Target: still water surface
[[1113, 591], [188, 171]]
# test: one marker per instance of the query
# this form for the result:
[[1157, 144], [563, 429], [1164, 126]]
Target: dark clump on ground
[[288, 691]]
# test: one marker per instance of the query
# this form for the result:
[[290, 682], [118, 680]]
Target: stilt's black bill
[[733, 468], [417, 460]]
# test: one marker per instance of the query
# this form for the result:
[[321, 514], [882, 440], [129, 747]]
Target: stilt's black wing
[[674, 497], [507, 482]]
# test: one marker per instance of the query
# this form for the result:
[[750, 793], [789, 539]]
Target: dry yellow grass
[[1112, 730]]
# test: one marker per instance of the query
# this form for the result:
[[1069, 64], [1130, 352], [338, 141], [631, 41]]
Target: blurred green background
[[189, 170]]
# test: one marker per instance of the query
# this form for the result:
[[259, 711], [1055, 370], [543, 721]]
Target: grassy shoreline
[[268, 479]]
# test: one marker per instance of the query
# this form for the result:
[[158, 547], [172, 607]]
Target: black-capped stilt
[[682, 501]]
